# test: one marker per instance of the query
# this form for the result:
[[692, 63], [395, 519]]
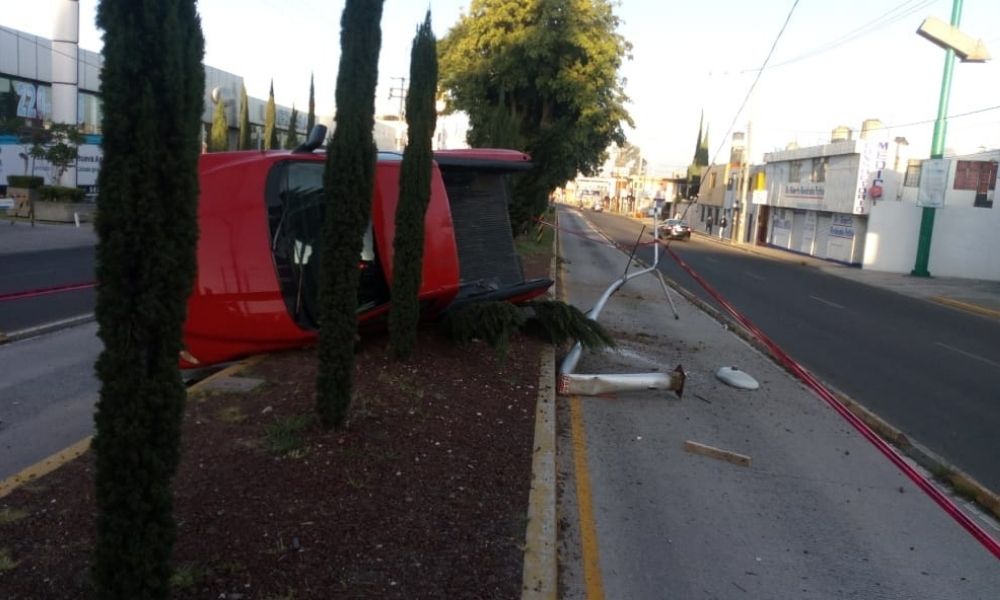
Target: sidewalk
[[20, 237]]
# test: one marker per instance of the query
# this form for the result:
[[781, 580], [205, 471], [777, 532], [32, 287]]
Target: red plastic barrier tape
[[816, 386], [72, 287]]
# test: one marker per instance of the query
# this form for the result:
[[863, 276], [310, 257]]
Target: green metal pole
[[937, 150]]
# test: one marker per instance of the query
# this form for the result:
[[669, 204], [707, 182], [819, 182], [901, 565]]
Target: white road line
[[753, 276], [969, 354], [827, 302]]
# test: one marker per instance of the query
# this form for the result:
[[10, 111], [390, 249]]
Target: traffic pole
[[937, 150]]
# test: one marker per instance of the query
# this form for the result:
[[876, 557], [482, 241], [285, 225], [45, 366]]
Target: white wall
[[965, 240]]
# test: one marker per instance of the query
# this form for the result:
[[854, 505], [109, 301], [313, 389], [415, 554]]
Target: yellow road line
[[44, 467], [588, 531], [972, 308]]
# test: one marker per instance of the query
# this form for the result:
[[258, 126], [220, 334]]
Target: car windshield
[[676, 223]]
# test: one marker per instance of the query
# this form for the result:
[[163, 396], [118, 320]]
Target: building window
[[980, 176], [969, 174], [712, 181], [912, 178], [819, 167], [89, 111], [794, 171]]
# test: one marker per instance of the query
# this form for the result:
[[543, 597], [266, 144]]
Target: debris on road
[[717, 453]]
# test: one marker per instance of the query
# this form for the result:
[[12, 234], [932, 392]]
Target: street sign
[[933, 182]]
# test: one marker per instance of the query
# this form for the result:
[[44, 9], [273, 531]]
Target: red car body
[[260, 216]]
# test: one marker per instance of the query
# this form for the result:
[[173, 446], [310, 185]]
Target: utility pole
[[744, 185], [969, 50], [399, 92]]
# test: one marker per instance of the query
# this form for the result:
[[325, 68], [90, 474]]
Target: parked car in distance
[[675, 229], [598, 205]]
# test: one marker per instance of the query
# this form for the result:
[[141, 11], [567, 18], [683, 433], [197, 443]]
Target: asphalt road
[[45, 269], [817, 511], [929, 370], [48, 391]]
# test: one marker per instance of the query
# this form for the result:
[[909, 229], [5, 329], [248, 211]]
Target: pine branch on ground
[[561, 322], [492, 322]]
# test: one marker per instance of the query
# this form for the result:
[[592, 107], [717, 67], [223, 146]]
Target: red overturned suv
[[261, 214]]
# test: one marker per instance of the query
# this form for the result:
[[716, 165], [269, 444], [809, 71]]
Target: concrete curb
[[21, 334], [540, 579], [540, 576], [51, 463], [975, 309]]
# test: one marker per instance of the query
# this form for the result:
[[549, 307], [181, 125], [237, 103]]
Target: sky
[[836, 63]]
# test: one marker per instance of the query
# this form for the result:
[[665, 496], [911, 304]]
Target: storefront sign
[[842, 226]]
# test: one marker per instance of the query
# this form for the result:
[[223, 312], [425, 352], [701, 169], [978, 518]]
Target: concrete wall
[[965, 241]]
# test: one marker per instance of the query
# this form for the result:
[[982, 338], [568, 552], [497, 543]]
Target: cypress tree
[[292, 139], [414, 191], [219, 140], [348, 181], [270, 126], [152, 87], [311, 118], [243, 143]]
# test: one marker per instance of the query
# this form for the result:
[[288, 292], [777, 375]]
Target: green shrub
[[25, 181], [58, 193]]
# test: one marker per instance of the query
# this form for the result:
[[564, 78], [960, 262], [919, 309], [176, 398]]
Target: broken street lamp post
[[592, 384]]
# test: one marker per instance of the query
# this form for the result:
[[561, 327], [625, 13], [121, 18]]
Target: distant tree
[[311, 118], [700, 160], [146, 219], [270, 122], [414, 191], [219, 140], [292, 139], [348, 181], [59, 145], [541, 74], [243, 143]]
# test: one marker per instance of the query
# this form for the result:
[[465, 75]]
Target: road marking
[[588, 530], [827, 302], [753, 276], [969, 354]]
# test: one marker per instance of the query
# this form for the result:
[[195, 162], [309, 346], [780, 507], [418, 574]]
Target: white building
[[856, 202], [965, 241]]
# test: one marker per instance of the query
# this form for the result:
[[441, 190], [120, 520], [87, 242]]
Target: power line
[[763, 66], [879, 22]]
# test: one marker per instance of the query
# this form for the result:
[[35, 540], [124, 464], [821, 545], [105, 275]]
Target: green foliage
[[348, 181], [492, 322], [152, 88], [284, 436], [58, 193], [243, 141], [25, 181], [539, 76], [311, 117], [270, 122], [218, 141], [414, 191], [292, 139], [59, 145], [560, 322]]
